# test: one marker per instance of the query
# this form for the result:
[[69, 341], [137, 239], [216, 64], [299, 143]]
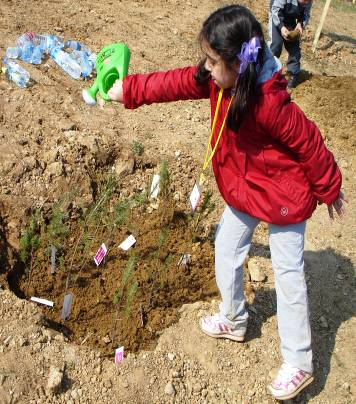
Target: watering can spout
[[112, 63]]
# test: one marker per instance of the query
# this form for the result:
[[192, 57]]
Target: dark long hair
[[225, 31]]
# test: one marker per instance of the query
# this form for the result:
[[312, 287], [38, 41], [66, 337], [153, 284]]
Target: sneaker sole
[[227, 336], [296, 392]]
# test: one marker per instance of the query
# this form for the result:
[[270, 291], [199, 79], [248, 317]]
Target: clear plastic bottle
[[66, 62], [92, 59], [32, 54], [13, 52], [82, 59], [25, 39], [16, 73], [76, 45], [54, 41]]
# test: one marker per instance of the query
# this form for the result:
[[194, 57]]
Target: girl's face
[[224, 76]]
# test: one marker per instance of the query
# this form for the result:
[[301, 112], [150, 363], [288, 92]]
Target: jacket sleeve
[[306, 15], [277, 8], [287, 124], [172, 85]]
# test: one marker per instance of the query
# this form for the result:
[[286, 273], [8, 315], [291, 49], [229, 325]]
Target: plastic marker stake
[[129, 242], [155, 186], [53, 259], [67, 305], [99, 256], [42, 301], [195, 197], [119, 355], [184, 260]]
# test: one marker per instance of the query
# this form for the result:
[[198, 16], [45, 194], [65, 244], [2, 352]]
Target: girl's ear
[[236, 67]]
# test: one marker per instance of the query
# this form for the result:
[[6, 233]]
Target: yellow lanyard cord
[[208, 158]]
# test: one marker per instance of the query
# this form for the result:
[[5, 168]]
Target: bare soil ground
[[54, 149]]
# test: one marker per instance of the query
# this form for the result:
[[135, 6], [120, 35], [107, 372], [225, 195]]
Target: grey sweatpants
[[292, 47], [232, 243]]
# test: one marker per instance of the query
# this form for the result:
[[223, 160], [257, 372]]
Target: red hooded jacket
[[276, 167]]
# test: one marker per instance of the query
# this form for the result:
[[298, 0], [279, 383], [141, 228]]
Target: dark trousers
[[293, 49]]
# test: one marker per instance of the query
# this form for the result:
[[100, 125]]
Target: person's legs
[[276, 39], [287, 249], [293, 62], [232, 243]]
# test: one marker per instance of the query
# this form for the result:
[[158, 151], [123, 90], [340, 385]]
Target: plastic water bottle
[[41, 41], [77, 46], [32, 54], [13, 52], [82, 59], [25, 39], [92, 59], [16, 73], [54, 41], [66, 62]]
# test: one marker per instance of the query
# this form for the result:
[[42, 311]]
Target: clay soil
[[57, 151]]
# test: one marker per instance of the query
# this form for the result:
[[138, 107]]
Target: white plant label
[[119, 355], [67, 305], [129, 242], [195, 197], [53, 259], [155, 186], [42, 301], [99, 256], [184, 259]]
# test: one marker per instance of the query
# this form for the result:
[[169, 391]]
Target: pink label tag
[[99, 256], [119, 355]]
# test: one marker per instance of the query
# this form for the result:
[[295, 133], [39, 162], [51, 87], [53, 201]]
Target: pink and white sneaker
[[290, 381], [215, 328]]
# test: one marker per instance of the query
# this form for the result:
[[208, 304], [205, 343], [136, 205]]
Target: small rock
[[171, 356], [197, 388], [54, 382], [170, 389], [323, 322], [54, 169], [176, 374], [124, 167], [106, 339], [255, 271], [108, 384]]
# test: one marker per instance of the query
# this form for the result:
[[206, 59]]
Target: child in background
[[286, 16], [270, 164]]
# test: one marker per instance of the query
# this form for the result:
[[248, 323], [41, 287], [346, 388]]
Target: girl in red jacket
[[270, 164]]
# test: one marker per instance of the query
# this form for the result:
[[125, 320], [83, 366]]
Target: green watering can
[[112, 63]]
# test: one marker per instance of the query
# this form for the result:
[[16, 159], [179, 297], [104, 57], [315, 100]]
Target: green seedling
[[130, 296], [29, 243], [92, 222], [137, 148], [206, 207]]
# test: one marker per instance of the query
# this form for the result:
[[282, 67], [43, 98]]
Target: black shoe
[[292, 82]]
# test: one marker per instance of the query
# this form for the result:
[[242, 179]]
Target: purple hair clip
[[249, 53]]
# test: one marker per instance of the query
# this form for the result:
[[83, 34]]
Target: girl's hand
[[116, 92], [284, 33], [339, 206]]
